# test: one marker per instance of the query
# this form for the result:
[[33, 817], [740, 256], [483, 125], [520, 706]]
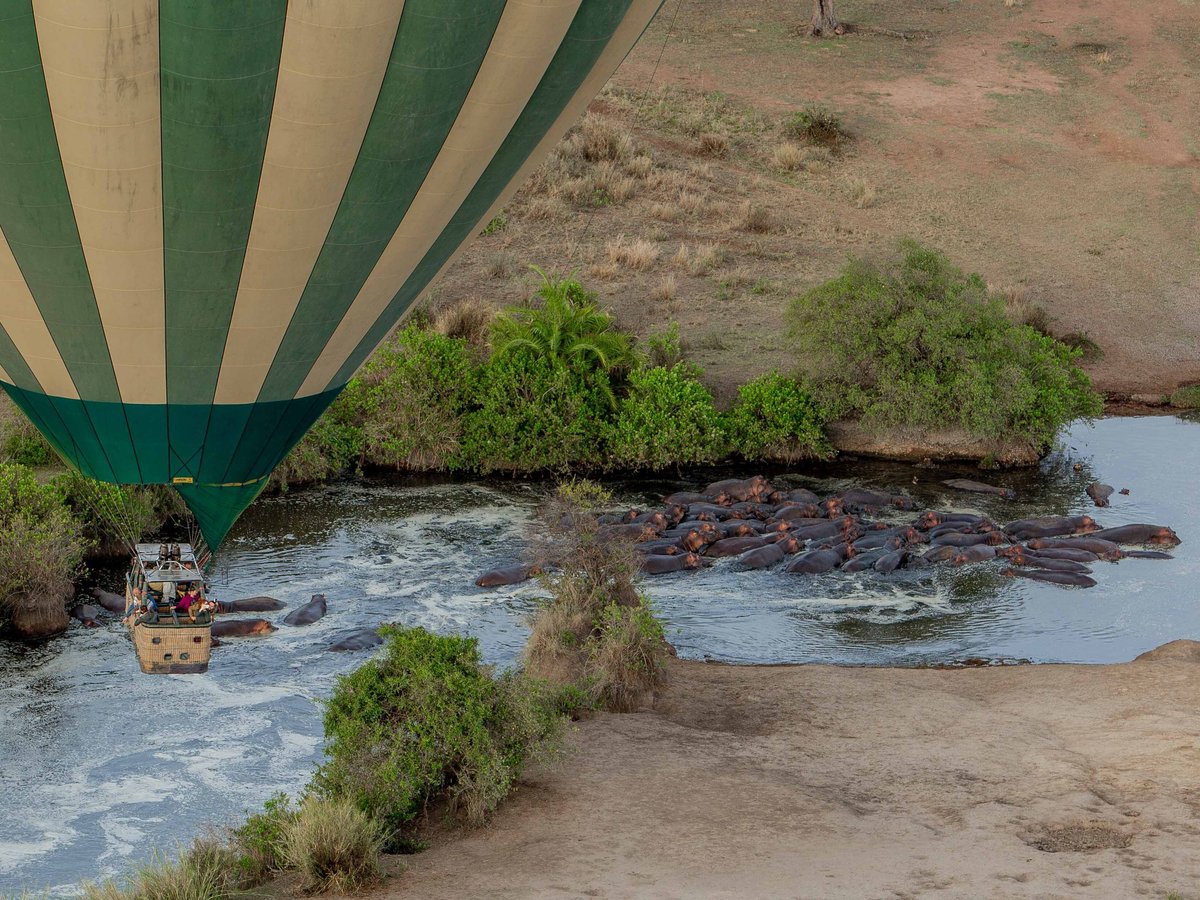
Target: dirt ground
[[824, 782], [1052, 147]]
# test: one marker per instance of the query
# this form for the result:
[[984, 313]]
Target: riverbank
[[819, 781]]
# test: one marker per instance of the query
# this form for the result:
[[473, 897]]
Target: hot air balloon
[[212, 211]]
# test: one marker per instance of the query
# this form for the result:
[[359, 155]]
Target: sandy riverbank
[[825, 782]]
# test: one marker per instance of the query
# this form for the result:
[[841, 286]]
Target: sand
[[827, 782]]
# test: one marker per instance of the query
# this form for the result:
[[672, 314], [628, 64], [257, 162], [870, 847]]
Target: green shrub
[[918, 343], [20, 441], [260, 841], [206, 871], [817, 125], [531, 415], [665, 348], [1186, 398], [624, 661], [427, 720], [667, 418], [775, 418], [41, 549], [333, 844], [410, 398]]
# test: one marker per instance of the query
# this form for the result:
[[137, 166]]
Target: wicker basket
[[164, 648]]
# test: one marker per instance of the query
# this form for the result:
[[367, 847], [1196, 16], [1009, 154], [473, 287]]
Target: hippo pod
[[310, 612], [1068, 579], [507, 575], [223, 628], [252, 604], [363, 639], [110, 601]]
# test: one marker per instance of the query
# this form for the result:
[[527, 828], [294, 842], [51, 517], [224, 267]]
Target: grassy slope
[[1030, 142]]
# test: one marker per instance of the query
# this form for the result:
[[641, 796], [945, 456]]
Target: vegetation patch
[[819, 126], [917, 343], [1186, 397], [667, 418], [775, 418]]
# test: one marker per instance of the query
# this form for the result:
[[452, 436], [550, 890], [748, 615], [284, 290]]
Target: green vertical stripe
[[439, 47], [588, 36], [219, 62], [36, 213]]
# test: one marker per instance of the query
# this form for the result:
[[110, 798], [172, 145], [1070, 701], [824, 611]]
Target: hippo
[[687, 498], [694, 540], [735, 546], [977, 553], [661, 565], [1031, 561], [1050, 526], [739, 491], [861, 499], [864, 561], [788, 544], [762, 558], [674, 513], [840, 527], [737, 529], [310, 612], [1139, 534], [802, 495], [1099, 492], [241, 627], [110, 601], [252, 604], [890, 562], [1148, 554], [363, 639], [87, 614], [499, 577], [629, 532], [1102, 548], [661, 546], [958, 539], [1069, 579], [709, 512], [1079, 556], [978, 487], [932, 518], [791, 512], [879, 541], [814, 562], [655, 520], [831, 507], [942, 553]]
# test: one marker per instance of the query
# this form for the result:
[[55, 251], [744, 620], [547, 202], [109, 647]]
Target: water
[[99, 764]]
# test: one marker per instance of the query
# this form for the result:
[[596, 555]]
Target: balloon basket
[[164, 648]]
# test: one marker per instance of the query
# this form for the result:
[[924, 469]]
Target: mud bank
[[819, 781]]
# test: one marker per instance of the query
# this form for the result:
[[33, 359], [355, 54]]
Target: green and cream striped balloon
[[212, 211]]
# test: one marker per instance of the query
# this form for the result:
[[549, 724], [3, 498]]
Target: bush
[[260, 841], [206, 871], [775, 418], [424, 721], [20, 441], [668, 418], [115, 516], [918, 343], [1186, 397], [41, 549], [594, 637], [817, 125], [333, 844], [410, 397], [531, 415]]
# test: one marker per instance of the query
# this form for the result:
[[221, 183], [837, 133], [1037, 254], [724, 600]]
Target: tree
[[824, 20]]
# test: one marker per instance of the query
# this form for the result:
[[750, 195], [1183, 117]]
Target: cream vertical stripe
[[4, 376], [24, 324], [526, 38], [335, 56], [100, 59], [641, 13]]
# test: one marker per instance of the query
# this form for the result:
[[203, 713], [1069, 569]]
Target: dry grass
[[1104, 57], [715, 145], [1013, 4], [789, 157], [755, 219], [501, 264], [596, 139], [862, 192], [665, 212], [544, 209], [334, 846], [1021, 309], [666, 289], [467, 320], [704, 258], [603, 271], [638, 254], [692, 203]]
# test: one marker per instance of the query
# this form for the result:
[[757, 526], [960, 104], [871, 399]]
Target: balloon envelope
[[213, 211]]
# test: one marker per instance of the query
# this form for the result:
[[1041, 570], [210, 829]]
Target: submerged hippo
[[507, 575], [1102, 548], [1148, 554], [110, 601], [978, 553], [310, 612], [87, 614], [363, 639], [252, 604], [1069, 579], [223, 628], [941, 553], [978, 487], [1031, 560], [1099, 492]]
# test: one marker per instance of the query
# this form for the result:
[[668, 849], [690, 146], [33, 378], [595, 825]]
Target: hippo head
[[692, 561], [1165, 536], [693, 541]]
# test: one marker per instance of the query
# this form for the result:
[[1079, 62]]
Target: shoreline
[[829, 781]]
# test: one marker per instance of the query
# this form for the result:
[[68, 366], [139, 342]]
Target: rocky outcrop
[[951, 444]]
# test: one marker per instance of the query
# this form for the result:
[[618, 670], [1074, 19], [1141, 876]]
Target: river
[[100, 765]]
